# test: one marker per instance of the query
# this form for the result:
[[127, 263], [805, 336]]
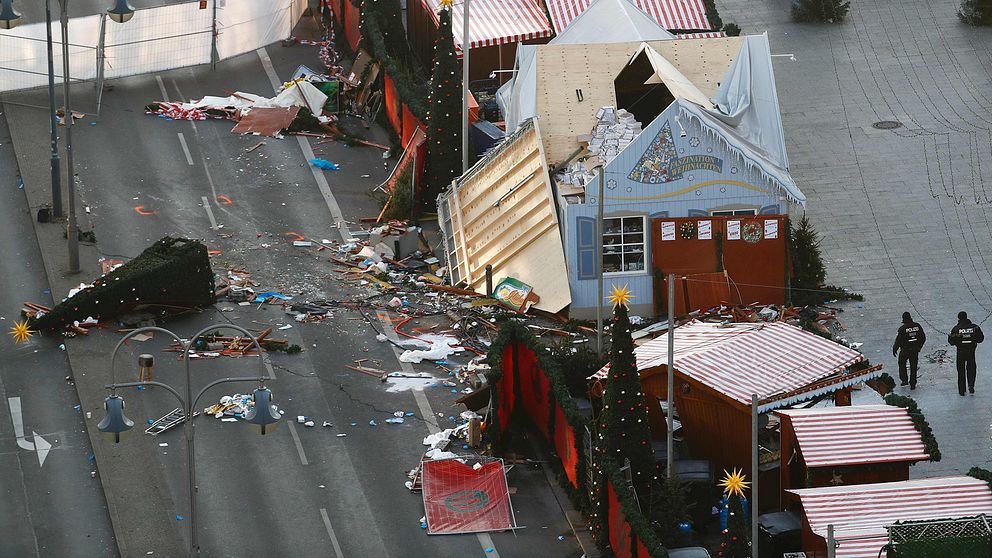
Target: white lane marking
[[210, 212], [318, 175], [39, 445], [296, 439], [182, 141], [181, 96], [161, 88], [330, 533], [210, 180], [428, 413], [268, 366]]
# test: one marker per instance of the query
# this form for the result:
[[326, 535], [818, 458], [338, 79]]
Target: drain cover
[[887, 125]]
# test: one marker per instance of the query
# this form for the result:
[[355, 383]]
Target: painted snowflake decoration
[[694, 142], [611, 184]]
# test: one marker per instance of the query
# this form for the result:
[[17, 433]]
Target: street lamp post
[[262, 415], [73, 229], [56, 167]]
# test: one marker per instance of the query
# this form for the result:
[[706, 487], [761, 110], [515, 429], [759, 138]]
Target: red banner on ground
[[461, 499]]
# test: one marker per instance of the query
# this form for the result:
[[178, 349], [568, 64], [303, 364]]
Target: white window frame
[[643, 243], [734, 212]]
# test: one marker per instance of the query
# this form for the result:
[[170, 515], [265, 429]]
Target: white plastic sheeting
[[156, 39], [24, 54]]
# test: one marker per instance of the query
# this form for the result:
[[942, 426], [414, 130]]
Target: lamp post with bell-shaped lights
[[263, 414]]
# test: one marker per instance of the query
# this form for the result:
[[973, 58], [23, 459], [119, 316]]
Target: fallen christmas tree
[[173, 272]]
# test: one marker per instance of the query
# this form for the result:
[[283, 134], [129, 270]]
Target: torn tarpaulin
[[323, 164], [266, 121]]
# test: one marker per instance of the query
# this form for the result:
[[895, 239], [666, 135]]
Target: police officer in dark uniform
[[966, 336], [909, 341]]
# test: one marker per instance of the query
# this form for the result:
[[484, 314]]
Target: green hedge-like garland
[[919, 421], [640, 526], [172, 271], [981, 474], [410, 84]]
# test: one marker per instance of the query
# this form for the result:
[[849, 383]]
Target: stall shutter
[[586, 244]]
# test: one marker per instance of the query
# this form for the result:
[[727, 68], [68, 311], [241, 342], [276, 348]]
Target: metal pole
[[214, 55], [56, 167], [73, 231], [489, 281], [465, 49], [670, 411], [599, 270], [194, 547], [831, 543], [754, 476]]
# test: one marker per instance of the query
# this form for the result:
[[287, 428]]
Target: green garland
[[981, 474], [409, 83], [919, 421], [640, 526]]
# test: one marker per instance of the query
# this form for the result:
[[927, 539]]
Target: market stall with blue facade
[[686, 196]]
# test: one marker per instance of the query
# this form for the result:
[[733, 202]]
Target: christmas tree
[[623, 425], [808, 271], [819, 11], [976, 12], [735, 543], [444, 116]]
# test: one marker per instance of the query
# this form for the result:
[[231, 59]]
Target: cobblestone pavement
[[904, 214]]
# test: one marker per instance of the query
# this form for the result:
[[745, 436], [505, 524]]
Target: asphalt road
[[52, 506], [299, 491]]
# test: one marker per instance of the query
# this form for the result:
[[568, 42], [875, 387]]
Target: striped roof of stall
[[496, 22], [707, 35], [860, 513], [856, 435], [740, 359], [670, 14]]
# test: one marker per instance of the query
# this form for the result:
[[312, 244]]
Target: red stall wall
[[504, 390], [620, 537], [758, 269], [534, 387], [351, 15], [565, 446], [392, 105]]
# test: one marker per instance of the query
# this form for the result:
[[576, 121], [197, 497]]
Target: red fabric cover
[[392, 105], [642, 551], [410, 123], [504, 390], [565, 446], [351, 15], [534, 388], [460, 499], [620, 537]]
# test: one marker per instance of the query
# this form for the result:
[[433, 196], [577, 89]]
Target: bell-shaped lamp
[[263, 415], [115, 422], [9, 18], [122, 12]]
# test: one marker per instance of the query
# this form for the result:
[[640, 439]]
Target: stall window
[[733, 212], [623, 244]]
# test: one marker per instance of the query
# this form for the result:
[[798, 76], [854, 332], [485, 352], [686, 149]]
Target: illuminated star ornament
[[446, 4], [620, 296], [21, 331], [734, 483]]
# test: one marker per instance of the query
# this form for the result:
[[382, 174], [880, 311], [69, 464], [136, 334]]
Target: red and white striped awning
[[495, 22], [670, 14], [860, 513], [709, 35], [857, 435], [772, 360]]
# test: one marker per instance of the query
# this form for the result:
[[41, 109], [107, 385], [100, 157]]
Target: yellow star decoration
[[734, 483], [446, 3], [620, 295], [21, 331]]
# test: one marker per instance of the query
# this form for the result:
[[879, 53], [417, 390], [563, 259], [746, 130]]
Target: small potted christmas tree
[[736, 543]]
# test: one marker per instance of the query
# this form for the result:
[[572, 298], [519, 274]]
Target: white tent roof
[[611, 21]]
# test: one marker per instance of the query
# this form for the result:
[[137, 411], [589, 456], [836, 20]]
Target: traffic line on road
[[161, 88], [318, 175], [182, 141], [180, 97], [428, 413], [210, 212], [330, 533], [296, 440]]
